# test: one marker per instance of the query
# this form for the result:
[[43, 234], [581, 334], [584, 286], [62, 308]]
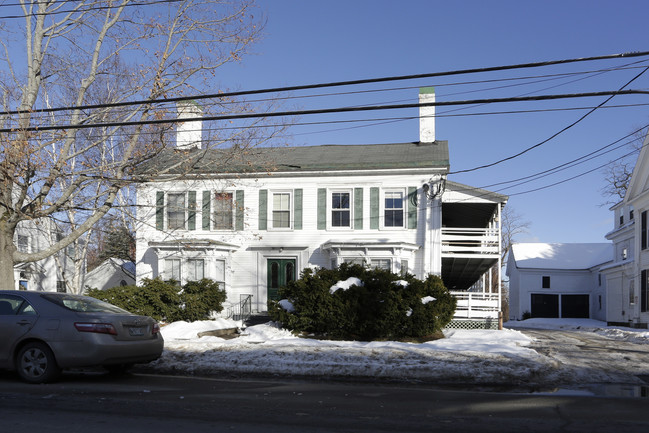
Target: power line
[[553, 135], [88, 9], [338, 83], [343, 110]]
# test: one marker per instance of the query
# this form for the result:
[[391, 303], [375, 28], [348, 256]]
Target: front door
[[280, 272]]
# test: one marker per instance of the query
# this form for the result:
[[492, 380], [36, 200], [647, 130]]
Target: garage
[[575, 306], [570, 306]]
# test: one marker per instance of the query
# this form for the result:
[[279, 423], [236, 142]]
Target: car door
[[17, 317]]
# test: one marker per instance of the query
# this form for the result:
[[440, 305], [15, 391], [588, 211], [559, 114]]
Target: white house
[[253, 219], [628, 277], [50, 274], [558, 280], [111, 273]]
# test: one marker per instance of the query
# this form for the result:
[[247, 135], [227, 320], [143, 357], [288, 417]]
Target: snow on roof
[[561, 256]]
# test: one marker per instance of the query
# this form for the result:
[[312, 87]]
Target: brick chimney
[[426, 115], [189, 134]]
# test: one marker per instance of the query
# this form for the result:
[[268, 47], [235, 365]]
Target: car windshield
[[84, 304]]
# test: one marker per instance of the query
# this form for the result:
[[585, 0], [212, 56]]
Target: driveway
[[595, 362]]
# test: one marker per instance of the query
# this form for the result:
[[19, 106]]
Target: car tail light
[[100, 328], [156, 329]]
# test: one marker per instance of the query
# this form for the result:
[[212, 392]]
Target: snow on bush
[[344, 285]]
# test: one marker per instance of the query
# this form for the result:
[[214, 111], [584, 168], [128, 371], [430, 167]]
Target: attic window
[[546, 282]]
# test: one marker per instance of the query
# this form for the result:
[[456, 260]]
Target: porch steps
[[257, 319]]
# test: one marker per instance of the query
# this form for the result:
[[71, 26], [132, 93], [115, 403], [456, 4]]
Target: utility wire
[[88, 9], [339, 83], [555, 134], [346, 110]]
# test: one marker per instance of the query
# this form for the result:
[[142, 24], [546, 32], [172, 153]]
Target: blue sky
[[311, 42]]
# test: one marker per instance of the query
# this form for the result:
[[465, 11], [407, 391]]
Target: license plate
[[136, 332]]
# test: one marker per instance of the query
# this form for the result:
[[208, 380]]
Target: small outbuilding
[[112, 272], [558, 280]]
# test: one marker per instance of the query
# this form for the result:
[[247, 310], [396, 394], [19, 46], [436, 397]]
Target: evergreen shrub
[[383, 306], [166, 300]]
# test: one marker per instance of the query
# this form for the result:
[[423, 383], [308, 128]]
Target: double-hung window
[[281, 210], [172, 269], [341, 214], [195, 269], [393, 209], [223, 211], [176, 211]]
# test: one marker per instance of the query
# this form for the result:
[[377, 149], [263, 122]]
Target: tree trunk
[[7, 249]]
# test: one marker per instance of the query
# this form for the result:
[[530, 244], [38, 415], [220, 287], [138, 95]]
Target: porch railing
[[471, 305], [470, 241], [242, 310]]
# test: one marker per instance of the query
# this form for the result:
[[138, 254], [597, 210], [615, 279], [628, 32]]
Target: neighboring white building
[[254, 223], [628, 278], [111, 273], [50, 274], [558, 280]]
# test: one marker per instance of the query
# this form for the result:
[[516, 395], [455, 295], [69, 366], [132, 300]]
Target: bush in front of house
[[352, 302], [166, 300]]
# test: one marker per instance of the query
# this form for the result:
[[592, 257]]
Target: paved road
[[148, 403]]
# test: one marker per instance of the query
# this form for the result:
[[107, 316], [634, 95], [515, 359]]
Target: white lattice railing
[[470, 241], [471, 305]]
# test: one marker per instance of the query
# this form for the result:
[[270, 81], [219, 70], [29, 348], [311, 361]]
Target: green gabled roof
[[300, 159]]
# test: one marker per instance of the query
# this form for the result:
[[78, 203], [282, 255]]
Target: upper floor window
[[546, 282], [341, 209], [393, 209], [23, 243], [281, 210], [176, 211], [223, 211]]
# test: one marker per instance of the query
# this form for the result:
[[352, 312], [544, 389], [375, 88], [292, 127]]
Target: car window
[[84, 304], [12, 305]]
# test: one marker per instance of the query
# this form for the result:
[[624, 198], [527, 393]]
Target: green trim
[[426, 90], [159, 210], [239, 210], [206, 208], [322, 208], [297, 209], [375, 208], [191, 213], [412, 207], [358, 208], [263, 209]]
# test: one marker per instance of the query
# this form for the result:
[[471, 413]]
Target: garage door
[[545, 305], [575, 306]]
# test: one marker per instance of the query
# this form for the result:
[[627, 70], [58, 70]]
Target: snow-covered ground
[[465, 356]]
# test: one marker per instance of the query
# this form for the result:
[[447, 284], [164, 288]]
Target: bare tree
[[67, 148], [617, 174], [512, 225]]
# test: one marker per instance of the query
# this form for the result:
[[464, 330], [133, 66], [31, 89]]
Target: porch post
[[500, 264]]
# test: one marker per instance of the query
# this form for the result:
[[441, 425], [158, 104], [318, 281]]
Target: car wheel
[[35, 363]]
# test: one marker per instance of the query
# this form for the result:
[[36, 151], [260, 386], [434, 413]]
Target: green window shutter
[[238, 210], [375, 208], [412, 207], [322, 208], [191, 214], [159, 210], [206, 209], [263, 209], [358, 208], [297, 209]]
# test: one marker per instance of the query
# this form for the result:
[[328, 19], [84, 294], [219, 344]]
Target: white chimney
[[189, 134], [427, 115]]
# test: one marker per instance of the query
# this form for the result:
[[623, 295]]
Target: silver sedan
[[43, 333]]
